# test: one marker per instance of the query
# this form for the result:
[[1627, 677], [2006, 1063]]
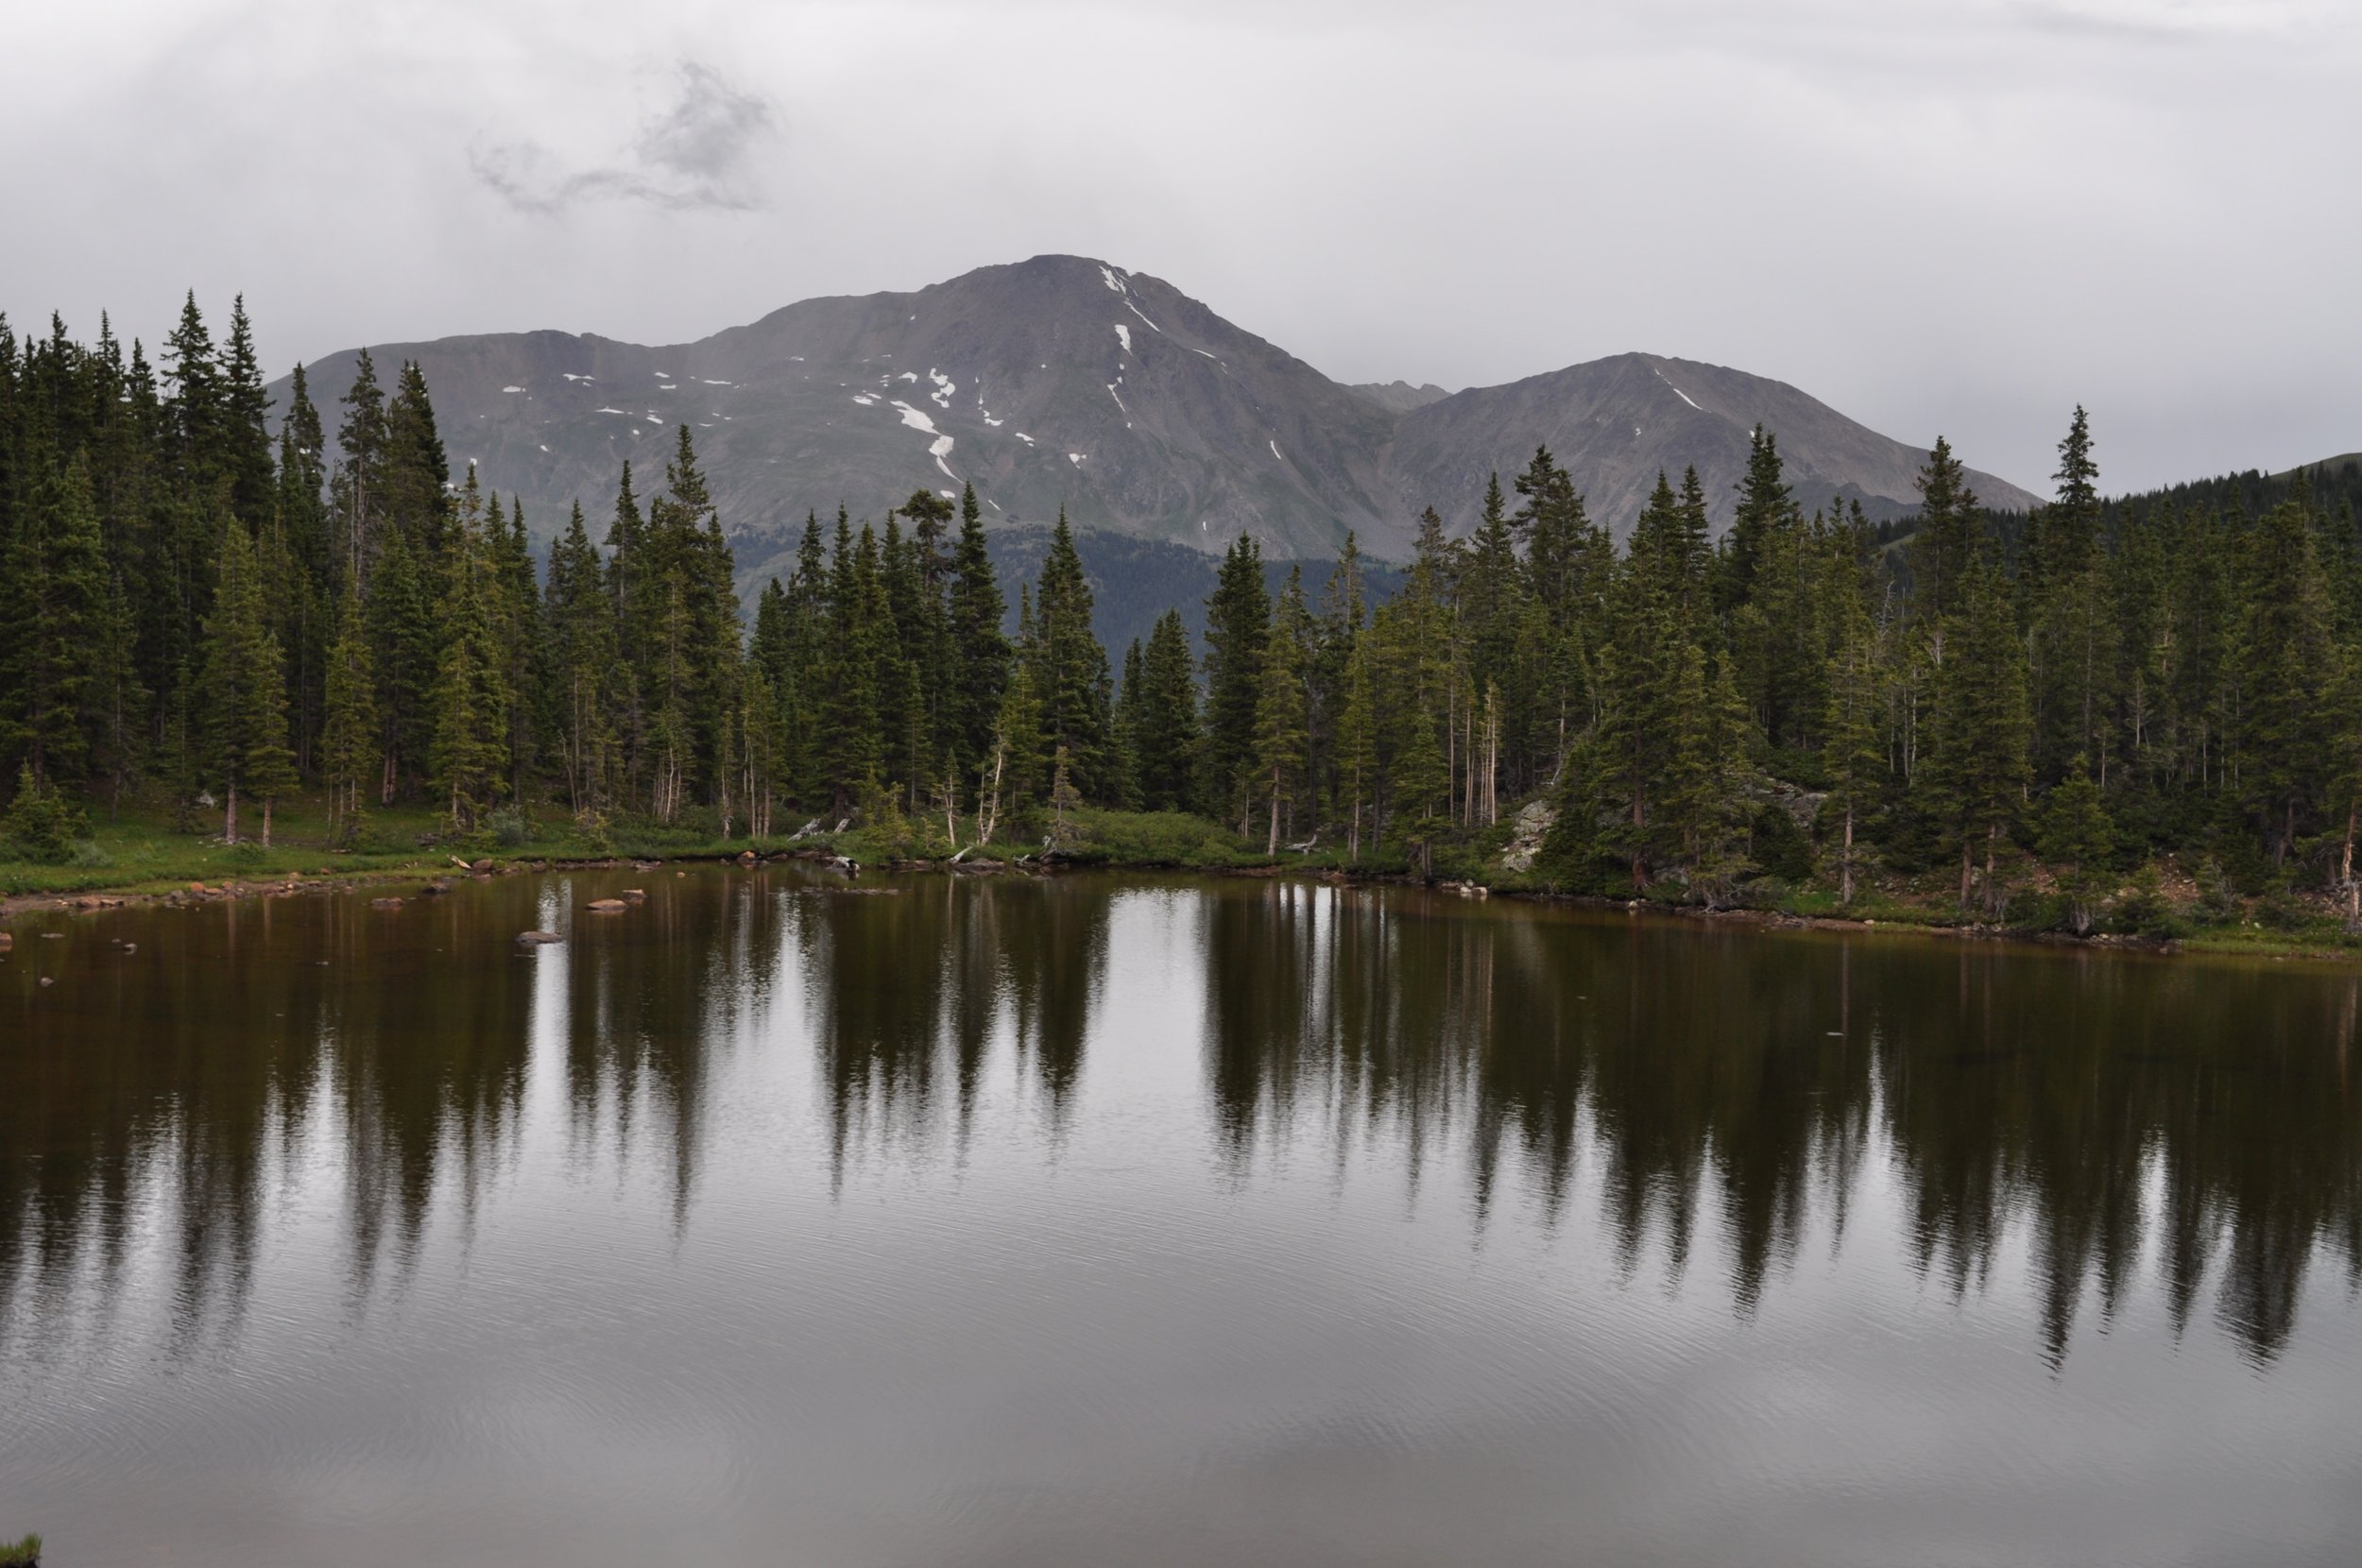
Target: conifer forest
[[210, 606]]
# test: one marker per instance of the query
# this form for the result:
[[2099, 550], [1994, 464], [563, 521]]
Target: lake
[[1121, 1220]]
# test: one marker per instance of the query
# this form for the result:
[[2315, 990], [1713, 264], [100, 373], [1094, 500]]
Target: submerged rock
[[608, 905], [385, 903], [537, 939]]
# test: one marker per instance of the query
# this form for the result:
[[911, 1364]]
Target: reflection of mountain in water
[[2098, 1101], [2185, 1121]]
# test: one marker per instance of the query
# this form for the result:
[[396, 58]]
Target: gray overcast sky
[[1964, 217]]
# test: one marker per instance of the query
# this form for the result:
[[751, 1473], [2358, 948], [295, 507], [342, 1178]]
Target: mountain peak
[[1068, 383]]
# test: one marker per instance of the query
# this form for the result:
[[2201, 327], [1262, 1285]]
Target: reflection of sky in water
[[1154, 1221]]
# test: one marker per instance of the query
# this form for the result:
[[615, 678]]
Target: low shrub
[[2217, 896], [2279, 910], [24, 1553], [39, 826], [1781, 848]]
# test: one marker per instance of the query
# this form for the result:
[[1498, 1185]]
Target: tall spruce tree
[[350, 738], [1166, 729], [245, 713], [1282, 738], [1071, 667], [1238, 622], [56, 603]]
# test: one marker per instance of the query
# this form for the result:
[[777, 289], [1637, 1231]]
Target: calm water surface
[[1120, 1220]]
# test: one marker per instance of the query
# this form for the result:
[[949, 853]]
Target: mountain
[[1066, 383], [1400, 397], [2327, 465], [1617, 423]]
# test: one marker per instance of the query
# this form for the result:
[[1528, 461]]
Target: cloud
[[696, 154]]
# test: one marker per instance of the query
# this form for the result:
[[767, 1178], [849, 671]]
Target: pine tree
[[2283, 660], [244, 711], [1071, 675], [2078, 841], [1166, 728], [350, 737], [1853, 753], [245, 413], [1980, 767], [1282, 743], [1765, 506], [1356, 741], [761, 750], [56, 609], [1010, 774], [1946, 540], [980, 648], [415, 489], [302, 539], [406, 633], [584, 671], [468, 755], [354, 486], [849, 743], [1238, 620]]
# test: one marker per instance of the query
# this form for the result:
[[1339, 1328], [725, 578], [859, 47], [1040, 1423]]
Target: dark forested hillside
[[2043, 703]]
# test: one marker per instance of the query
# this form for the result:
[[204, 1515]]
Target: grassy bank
[[141, 849]]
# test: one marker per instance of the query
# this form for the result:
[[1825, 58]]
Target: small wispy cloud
[[697, 153]]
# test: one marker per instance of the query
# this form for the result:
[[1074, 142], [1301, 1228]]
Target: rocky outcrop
[[1534, 822]]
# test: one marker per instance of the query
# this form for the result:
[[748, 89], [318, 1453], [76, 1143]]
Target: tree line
[[198, 605]]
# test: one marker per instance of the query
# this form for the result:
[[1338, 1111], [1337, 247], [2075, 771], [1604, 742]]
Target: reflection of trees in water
[[429, 1051], [650, 996], [2103, 1103], [901, 979], [2191, 1120]]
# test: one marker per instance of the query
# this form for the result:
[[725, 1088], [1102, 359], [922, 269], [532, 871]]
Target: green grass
[[138, 849], [20, 1553]]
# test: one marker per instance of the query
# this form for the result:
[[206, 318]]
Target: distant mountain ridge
[[1068, 383]]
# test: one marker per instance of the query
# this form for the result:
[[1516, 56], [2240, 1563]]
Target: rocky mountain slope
[[1064, 382]]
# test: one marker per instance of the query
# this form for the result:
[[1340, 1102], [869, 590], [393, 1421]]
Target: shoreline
[[432, 882]]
